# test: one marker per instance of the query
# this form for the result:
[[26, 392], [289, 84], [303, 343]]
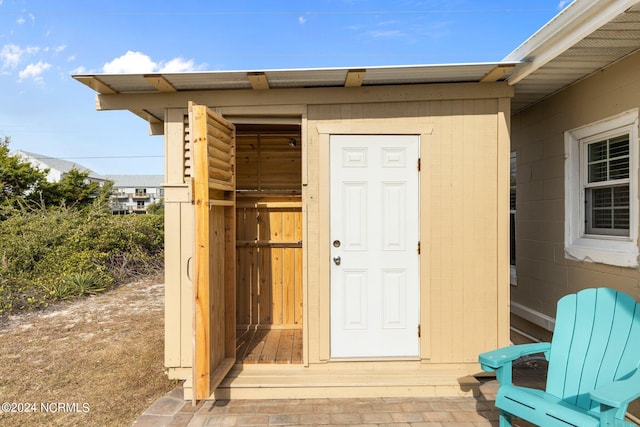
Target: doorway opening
[[268, 243]]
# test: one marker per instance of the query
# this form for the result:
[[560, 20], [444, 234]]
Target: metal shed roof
[[293, 78]]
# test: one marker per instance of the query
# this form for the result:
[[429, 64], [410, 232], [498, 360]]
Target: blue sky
[[44, 42]]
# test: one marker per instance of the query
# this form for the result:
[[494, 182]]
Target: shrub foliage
[[51, 254]]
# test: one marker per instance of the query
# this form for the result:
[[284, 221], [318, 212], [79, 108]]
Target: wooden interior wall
[[269, 264], [269, 159], [269, 228]]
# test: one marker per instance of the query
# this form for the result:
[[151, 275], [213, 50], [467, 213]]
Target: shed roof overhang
[[134, 91]]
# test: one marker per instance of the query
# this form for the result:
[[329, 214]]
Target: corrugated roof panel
[[209, 80], [215, 80], [127, 83], [305, 78], [472, 72]]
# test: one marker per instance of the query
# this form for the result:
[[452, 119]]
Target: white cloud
[[138, 62], [12, 54], [21, 19], [302, 20], [177, 65], [563, 3], [79, 70], [34, 72], [388, 34], [130, 62]]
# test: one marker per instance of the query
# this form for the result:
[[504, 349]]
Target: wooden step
[[286, 382]]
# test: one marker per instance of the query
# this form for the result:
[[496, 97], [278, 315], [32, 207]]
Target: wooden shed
[[330, 232]]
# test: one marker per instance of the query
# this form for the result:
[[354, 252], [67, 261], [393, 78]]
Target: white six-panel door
[[374, 239]]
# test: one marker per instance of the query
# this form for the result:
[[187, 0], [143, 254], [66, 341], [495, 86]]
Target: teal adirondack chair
[[593, 372]]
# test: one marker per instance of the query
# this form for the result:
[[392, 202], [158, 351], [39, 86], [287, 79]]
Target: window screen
[[607, 187]]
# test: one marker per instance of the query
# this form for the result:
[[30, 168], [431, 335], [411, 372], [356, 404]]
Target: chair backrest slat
[[629, 360], [561, 343], [602, 341], [594, 342]]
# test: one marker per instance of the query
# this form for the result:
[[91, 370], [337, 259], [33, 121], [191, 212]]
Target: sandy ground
[[94, 361]]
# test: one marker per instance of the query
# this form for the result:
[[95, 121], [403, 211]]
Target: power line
[[284, 12]]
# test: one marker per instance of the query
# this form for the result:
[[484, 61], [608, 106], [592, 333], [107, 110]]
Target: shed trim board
[[297, 96]]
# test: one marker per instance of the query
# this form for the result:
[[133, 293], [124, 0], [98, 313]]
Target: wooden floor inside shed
[[269, 346]]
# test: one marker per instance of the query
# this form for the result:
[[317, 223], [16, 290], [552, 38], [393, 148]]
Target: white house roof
[[136, 181], [60, 165], [587, 36]]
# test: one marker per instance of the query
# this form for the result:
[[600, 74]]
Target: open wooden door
[[213, 156]]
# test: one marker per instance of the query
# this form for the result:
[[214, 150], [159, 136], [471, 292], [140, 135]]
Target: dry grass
[[105, 351]]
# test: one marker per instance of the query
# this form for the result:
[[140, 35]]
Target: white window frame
[[606, 249]]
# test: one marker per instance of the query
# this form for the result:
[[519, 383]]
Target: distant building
[[131, 193], [134, 193], [57, 167]]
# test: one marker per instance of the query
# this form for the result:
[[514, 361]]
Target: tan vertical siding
[[463, 249], [459, 218], [178, 246], [544, 275]]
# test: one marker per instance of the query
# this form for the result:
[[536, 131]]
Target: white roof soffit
[[573, 24]]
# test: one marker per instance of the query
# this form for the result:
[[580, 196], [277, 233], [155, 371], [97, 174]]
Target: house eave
[[573, 24]]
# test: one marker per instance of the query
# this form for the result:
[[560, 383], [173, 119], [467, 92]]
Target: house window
[[140, 204], [601, 192], [607, 187]]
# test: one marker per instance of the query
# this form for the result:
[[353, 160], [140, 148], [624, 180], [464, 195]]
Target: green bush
[[55, 254]]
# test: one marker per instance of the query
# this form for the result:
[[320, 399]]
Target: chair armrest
[[618, 393], [492, 360]]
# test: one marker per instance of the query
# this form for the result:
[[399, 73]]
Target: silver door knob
[[337, 260]]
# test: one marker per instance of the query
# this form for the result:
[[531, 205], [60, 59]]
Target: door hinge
[[418, 247], [419, 164], [419, 331]]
